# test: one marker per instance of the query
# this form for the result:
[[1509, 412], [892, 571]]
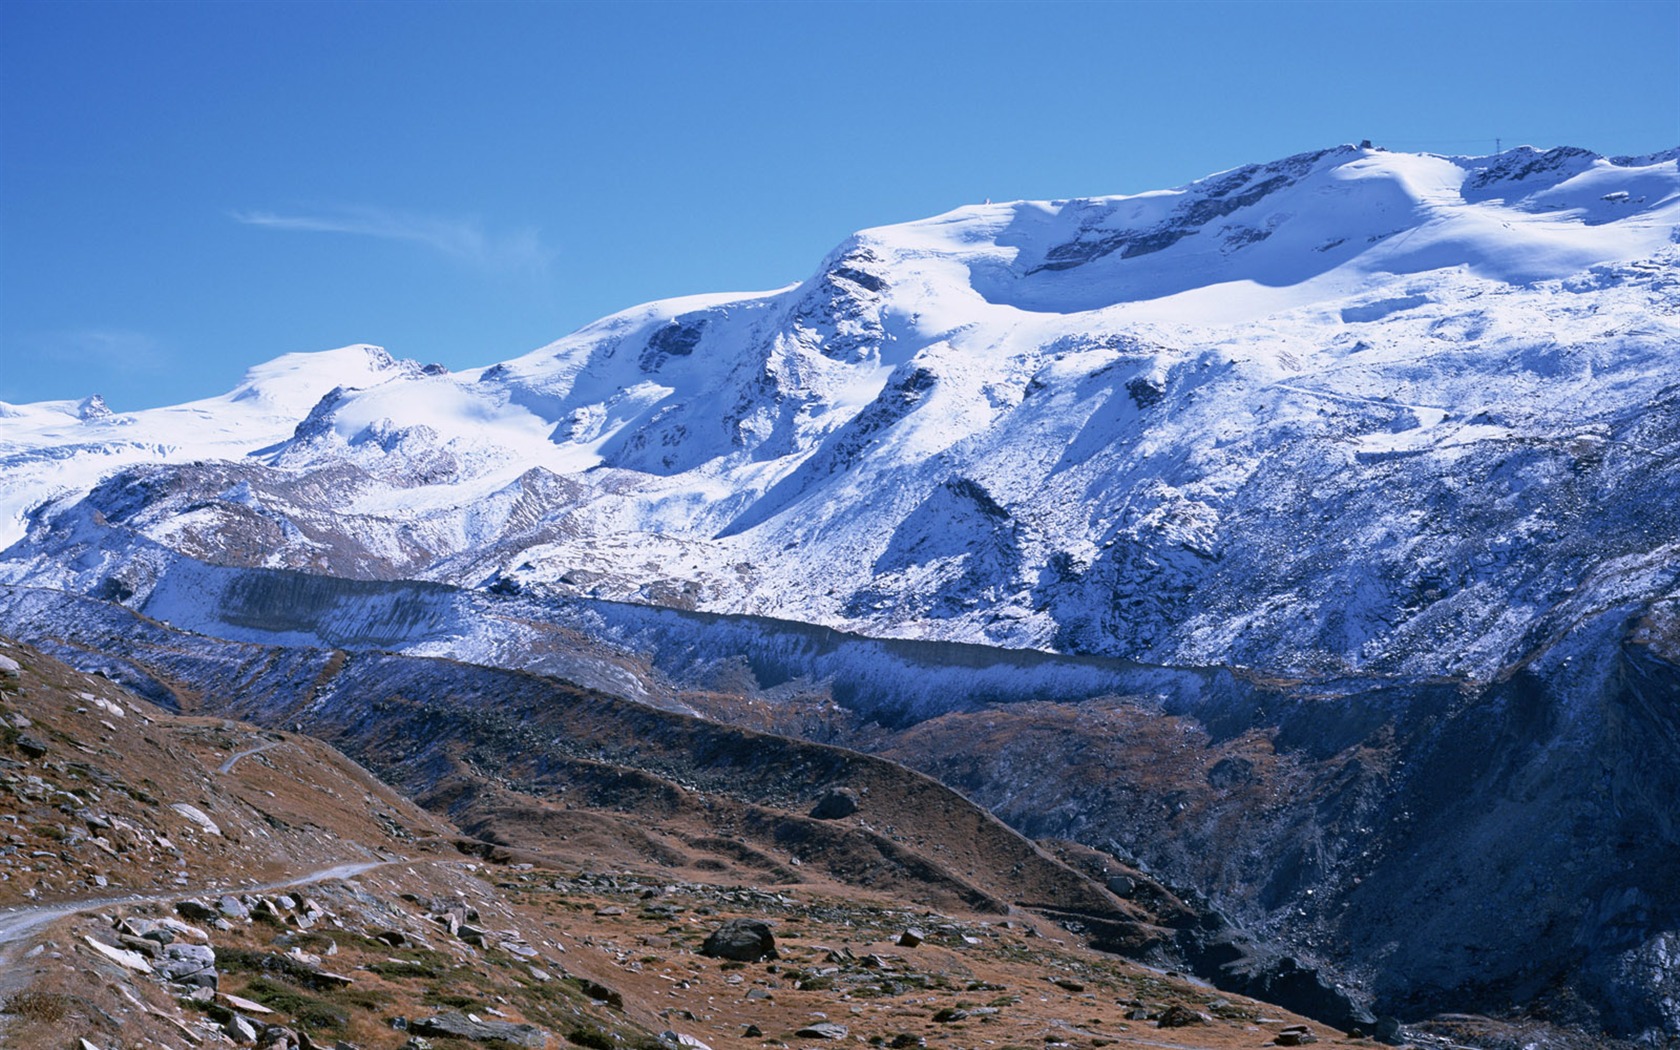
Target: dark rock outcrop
[[836, 804]]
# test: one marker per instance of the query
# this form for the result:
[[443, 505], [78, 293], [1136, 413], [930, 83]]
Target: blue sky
[[188, 189]]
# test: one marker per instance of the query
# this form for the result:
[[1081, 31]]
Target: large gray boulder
[[461, 1026], [189, 964], [743, 940]]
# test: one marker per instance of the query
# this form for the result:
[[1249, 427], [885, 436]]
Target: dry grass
[[40, 1007]]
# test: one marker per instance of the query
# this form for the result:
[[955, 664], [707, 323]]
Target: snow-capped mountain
[[1352, 410], [1401, 433]]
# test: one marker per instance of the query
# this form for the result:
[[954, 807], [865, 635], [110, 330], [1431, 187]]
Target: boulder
[[149, 948], [823, 1030], [278, 1037], [121, 956], [460, 1026], [600, 992], [742, 940], [1176, 1016], [837, 803], [190, 964]]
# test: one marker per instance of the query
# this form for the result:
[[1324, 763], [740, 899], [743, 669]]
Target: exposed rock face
[[743, 940], [1416, 808]]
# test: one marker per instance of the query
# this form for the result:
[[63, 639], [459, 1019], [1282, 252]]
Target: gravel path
[[18, 923], [227, 767]]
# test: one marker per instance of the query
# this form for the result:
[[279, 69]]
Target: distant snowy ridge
[[1351, 411]]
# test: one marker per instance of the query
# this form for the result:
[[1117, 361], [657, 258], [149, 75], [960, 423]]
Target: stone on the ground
[[240, 1003], [835, 804], [191, 964], [150, 949], [823, 1030], [197, 816], [741, 940], [461, 1026], [278, 1037], [121, 956], [1176, 1016], [600, 992]]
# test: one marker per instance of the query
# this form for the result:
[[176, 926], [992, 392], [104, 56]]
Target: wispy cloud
[[464, 240], [103, 350]]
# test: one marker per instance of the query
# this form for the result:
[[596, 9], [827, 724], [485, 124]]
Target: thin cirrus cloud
[[109, 350], [464, 240]]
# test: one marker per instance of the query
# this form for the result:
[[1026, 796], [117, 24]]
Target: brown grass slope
[[590, 938]]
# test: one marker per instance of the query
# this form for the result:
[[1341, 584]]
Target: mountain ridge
[[1063, 480], [1320, 519]]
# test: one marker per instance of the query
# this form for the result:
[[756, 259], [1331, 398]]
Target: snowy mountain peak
[[1316, 224], [1102, 425], [93, 409], [294, 382]]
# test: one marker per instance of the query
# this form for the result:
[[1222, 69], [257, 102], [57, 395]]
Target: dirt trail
[[18, 923], [227, 767]]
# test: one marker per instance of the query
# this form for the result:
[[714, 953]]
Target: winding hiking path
[[227, 767], [18, 923]]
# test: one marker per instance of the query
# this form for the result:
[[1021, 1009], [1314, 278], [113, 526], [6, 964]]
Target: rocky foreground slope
[[295, 901], [1433, 846]]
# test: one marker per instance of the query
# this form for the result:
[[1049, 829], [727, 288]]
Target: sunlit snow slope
[[1352, 409]]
